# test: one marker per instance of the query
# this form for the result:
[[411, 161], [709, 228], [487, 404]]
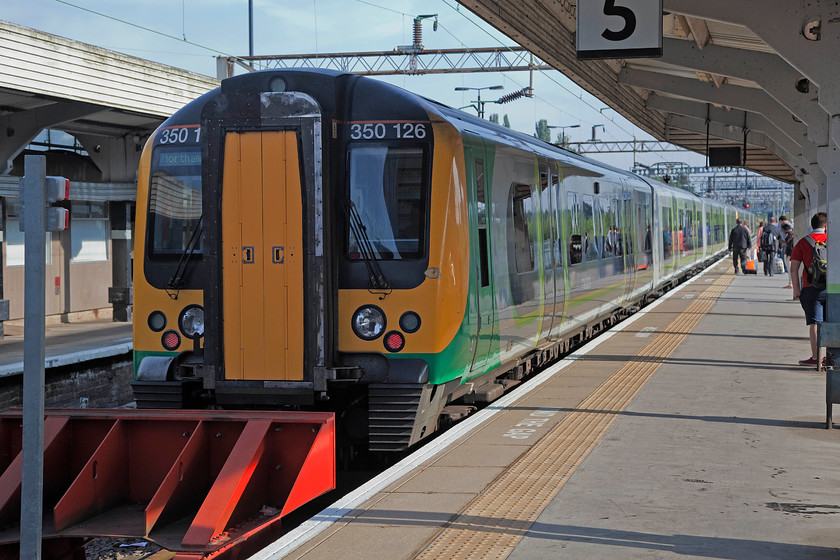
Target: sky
[[189, 34]]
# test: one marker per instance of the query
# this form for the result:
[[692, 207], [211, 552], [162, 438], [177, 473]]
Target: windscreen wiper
[[177, 280], [376, 278]]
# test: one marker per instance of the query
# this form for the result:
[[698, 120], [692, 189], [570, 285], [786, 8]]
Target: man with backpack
[[768, 244], [808, 264]]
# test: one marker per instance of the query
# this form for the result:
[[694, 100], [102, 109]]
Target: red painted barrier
[[205, 484]]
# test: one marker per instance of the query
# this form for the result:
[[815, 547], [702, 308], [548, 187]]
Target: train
[[310, 239]]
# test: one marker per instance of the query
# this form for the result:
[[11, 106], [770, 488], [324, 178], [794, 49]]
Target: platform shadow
[[697, 546], [695, 362], [651, 334], [775, 422], [703, 418]]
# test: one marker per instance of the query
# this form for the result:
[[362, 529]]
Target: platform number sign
[[619, 29]]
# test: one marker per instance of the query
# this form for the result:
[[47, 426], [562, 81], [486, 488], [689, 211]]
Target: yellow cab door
[[262, 257]]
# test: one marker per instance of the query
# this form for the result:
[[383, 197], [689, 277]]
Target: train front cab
[[230, 212], [267, 226]]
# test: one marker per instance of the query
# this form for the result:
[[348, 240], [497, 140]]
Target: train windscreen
[[388, 188], [175, 202]]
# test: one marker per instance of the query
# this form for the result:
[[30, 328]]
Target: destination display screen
[[178, 158]]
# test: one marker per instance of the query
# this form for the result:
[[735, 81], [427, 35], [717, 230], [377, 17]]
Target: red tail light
[[171, 340], [394, 341]]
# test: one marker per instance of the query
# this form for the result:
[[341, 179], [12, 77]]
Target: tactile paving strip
[[493, 524]]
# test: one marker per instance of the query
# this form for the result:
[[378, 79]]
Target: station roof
[[105, 99], [96, 90], [729, 69]]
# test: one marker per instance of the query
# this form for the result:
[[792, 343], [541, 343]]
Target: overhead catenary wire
[[217, 51], [149, 29]]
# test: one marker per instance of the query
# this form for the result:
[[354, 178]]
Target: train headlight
[[157, 321], [191, 321], [368, 322], [410, 322]]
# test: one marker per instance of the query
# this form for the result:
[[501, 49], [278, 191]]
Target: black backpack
[[816, 271], [769, 240]]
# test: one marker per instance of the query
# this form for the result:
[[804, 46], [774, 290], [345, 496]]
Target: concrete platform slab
[[690, 433]]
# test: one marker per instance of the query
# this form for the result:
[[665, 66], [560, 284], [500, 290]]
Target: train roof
[[262, 81]]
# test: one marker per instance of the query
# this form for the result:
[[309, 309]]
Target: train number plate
[[387, 130]]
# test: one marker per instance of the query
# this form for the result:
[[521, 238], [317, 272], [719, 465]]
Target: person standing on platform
[[787, 249], [757, 256], [811, 298], [784, 220], [739, 243], [769, 241]]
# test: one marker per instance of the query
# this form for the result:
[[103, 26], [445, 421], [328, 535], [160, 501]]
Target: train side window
[[644, 224], [590, 229], [607, 225], [687, 227], [479, 192], [667, 233], [575, 239], [483, 264], [484, 269], [522, 207], [616, 239]]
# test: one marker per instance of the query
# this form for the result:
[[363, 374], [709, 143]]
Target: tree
[[543, 132], [494, 118], [506, 122]]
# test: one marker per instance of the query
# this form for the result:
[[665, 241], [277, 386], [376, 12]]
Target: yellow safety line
[[494, 522]]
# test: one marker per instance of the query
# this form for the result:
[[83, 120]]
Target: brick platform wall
[[104, 383]]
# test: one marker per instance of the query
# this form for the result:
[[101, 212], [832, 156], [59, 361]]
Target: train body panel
[[359, 248]]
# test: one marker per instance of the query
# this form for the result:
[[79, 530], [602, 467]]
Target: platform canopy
[[764, 72], [109, 101]]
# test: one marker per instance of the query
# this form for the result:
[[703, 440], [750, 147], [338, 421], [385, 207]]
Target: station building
[[89, 111]]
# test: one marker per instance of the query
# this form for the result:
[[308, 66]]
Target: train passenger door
[[557, 311], [626, 238], [548, 238], [262, 256], [479, 180]]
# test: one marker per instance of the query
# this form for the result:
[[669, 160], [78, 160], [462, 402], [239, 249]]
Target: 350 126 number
[[179, 135], [389, 131]]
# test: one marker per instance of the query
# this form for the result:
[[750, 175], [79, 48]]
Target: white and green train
[[322, 240]]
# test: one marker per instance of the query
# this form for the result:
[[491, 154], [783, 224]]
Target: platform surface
[[691, 432], [67, 343]]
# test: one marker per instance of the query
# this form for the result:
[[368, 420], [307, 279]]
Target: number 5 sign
[[619, 28]]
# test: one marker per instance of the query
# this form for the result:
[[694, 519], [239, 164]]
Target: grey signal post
[[34, 193]]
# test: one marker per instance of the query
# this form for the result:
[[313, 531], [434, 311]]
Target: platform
[[687, 432], [66, 343]]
